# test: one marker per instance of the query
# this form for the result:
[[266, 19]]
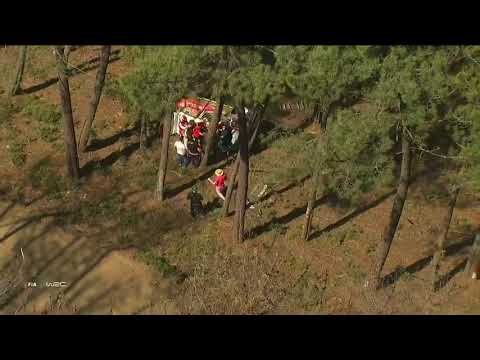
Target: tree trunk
[[323, 116], [69, 128], [22, 58], [233, 174], [443, 235], [66, 54], [211, 139], [243, 170], [315, 114], [162, 172], [253, 136], [251, 117], [231, 183], [147, 133], [142, 133], [473, 264], [397, 208], [99, 82], [309, 213], [316, 180]]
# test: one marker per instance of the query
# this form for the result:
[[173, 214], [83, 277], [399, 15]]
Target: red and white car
[[198, 110]]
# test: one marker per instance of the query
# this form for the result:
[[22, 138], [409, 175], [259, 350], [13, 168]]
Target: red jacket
[[197, 132], [220, 181]]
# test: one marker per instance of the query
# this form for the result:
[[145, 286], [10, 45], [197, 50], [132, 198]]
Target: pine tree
[[255, 125], [461, 130], [22, 59], [326, 77], [99, 82], [160, 77], [411, 90], [69, 127], [249, 86]]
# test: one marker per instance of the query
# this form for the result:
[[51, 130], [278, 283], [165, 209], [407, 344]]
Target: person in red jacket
[[221, 188], [219, 183], [198, 131]]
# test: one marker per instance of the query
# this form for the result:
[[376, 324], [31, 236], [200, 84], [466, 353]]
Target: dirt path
[[98, 280]]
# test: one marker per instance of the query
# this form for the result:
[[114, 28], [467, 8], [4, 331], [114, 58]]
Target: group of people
[[189, 146], [228, 137], [191, 141], [190, 149]]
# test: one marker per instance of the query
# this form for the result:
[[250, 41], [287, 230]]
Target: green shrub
[[109, 206], [39, 73], [48, 117], [16, 150], [157, 262], [7, 108], [434, 195], [148, 177], [45, 178], [111, 88]]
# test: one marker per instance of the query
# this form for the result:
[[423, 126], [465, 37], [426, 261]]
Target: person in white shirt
[[182, 158], [235, 134]]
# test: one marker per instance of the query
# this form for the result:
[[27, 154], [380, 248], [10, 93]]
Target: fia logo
[[31, 284]]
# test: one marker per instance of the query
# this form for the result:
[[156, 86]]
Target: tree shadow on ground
[[21, 200], [440, 284], [282, 220], [111, 159], [25, 222], [7, 209], [364, 208], [285, 188], [53, 255], [84, 67], [213, 205], [352, 215], [97, 144], [419, 265]]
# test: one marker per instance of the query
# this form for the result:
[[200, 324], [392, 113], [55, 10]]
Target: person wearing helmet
[[219, 183]]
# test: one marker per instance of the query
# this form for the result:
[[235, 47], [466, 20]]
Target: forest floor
[[121, 252]]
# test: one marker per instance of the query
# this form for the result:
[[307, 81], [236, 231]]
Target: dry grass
[[227, 280]]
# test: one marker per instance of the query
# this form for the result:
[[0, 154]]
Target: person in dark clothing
[[225, 141], [234, 147], [220, 128], [193, 152], [196, 206]]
